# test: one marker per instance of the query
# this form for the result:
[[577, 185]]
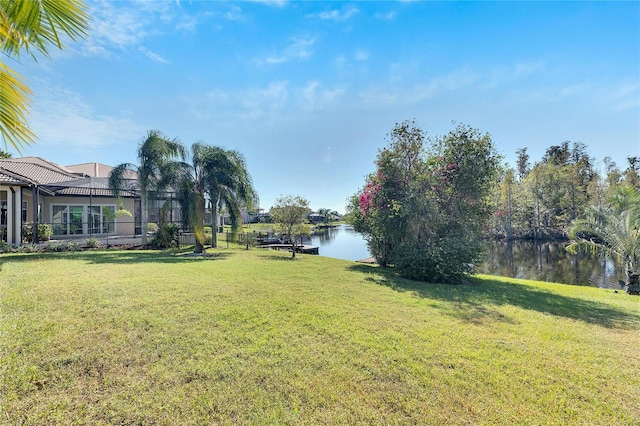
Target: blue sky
[[308, 91]]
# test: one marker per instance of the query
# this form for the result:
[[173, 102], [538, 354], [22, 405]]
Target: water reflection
[[547, 261], [341, 242]]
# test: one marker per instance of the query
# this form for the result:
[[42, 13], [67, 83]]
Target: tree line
[[541, 201]]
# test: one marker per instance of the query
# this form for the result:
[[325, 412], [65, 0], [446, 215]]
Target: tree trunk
[[145, 219], [633, 283], [198, 224], [214, 228]]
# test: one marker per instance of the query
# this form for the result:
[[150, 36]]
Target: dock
[[300, 248]]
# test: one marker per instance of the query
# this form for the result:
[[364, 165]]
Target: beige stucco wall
[[125, 225]]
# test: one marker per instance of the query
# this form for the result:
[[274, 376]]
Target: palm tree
[[31, 26], [155, 154], [613, 231], [220, 177]]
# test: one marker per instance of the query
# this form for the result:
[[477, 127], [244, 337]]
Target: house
[[316, 218], [72, 199]]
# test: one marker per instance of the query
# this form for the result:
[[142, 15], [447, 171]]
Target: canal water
[[548, 261], [341, 242]]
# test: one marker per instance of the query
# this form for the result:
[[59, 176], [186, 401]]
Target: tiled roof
[[89, 186], [37, 172], [95, 192], [60, 180], [6, 177], [41, 162], [99, 170]]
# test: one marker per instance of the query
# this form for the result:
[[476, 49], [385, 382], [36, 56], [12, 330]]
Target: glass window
[[76, 214], [108, 225], [70, 220], [95, 220], [60, 220]]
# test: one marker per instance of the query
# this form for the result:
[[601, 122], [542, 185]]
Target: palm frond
[[15, 100], [118, 181]]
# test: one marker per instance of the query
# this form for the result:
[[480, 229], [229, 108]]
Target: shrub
[[28, 248], [152, 227], [208, 236], [92, 243], [425, 208], [66, 246], [44, 231], [4, 247], [27, 233], [165, 237]]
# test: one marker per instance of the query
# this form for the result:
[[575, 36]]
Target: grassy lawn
[[251, 337]]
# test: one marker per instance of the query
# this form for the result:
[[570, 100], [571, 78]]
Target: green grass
[[251, 337]]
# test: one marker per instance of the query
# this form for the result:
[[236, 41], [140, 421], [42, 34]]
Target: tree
[[523, 163], [218, 176], [613, 231], [153, 174], [426, 207], [632, 174], [290, 213], [4, 154], [326, 215], [31, 27]]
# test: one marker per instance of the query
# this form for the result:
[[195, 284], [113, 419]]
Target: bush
[[66, 246], [165, 237], [27, 233], [45, 231], [5, 247], [152, 227], [92, 243], [208, 236], [425, 208]]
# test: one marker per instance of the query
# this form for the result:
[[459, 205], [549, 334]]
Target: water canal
[[548, 261]]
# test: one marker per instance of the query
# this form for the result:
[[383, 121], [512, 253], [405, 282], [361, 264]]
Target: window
[[82, 219], [24, 211]]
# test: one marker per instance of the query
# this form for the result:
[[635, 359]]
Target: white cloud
[[378, 97], [361, 55], [299, 48], [625, 96], [245, 104], [118, 26], [389, 16], [336, 15], [527, 68], [277, 100], [62, 118], [313, 97], [153, 56], [235, 14], [274, 3]]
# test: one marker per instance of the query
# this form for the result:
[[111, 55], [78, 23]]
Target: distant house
[[316, 218], [71, 199]]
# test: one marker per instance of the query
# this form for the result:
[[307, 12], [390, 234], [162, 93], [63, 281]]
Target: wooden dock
[[300, 248]]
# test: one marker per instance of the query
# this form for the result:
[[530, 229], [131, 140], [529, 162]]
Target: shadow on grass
[[477, 300], [118, 256], [287, 258]]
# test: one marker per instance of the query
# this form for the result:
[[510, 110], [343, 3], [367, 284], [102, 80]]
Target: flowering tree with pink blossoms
[[425, 207]]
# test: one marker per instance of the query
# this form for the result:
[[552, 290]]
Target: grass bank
[[251, 337]]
